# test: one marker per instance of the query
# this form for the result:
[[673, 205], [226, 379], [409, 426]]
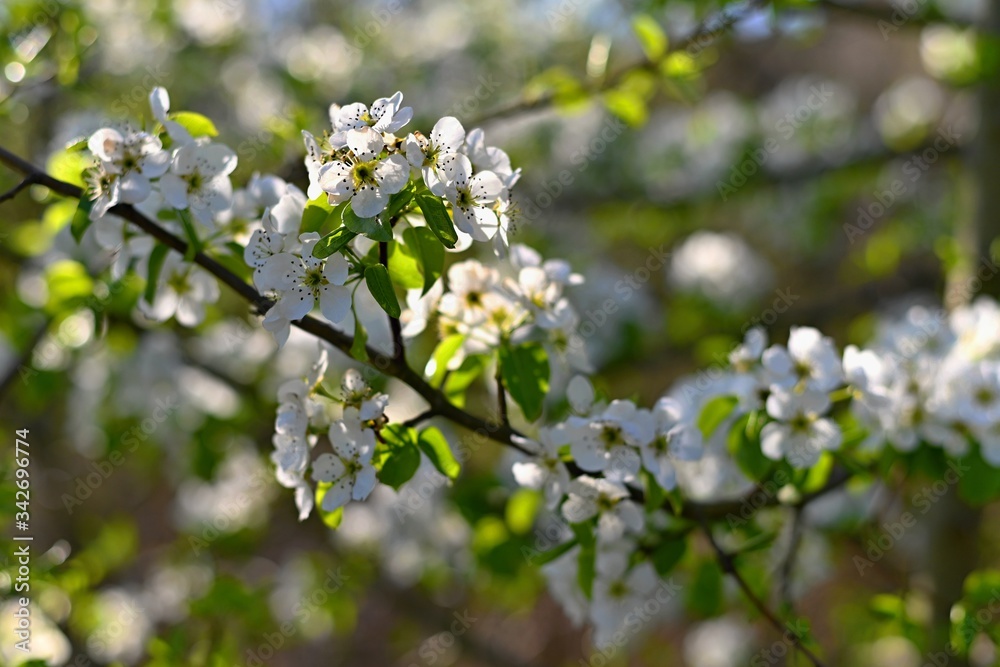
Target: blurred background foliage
[[798, 162]]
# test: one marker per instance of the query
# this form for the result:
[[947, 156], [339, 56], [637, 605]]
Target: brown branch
[[728, 565], [439, 405], [14, 191], [709, 29]]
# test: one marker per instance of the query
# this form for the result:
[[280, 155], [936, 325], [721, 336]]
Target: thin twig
[[13, 192], [710, 28], [728, 565], [787, 568], [422, 417], [388, 365], [23, 360], [501, 398]]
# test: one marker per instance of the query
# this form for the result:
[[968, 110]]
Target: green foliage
[[380, 285], [438, 219], [399, 456], [525, 372], [435, 447], [196, 124]]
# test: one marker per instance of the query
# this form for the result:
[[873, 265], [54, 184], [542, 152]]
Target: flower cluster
[[180, 175], [363, 162], [485, 305], [304, 416], [928, 377]]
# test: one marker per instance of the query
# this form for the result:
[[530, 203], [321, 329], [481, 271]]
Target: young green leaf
[[651, 37], [428, 252], [552, 554], [437, 366], [714, 413], [156, 258], [333, 242], [81, 219], [459, 380], [317, 213], [358, 349], [379, 284], [438, 219], [373, 228], [402, 459], [525, 372], [196, 124], [435, 446], [522, 507], [668, 554], [405, 266]]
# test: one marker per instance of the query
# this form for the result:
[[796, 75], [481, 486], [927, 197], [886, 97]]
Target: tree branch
[[709, 29], [13, 192], [728, 565], [439, 405]]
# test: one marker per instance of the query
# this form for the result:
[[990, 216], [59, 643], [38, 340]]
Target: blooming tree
[[485, 339]]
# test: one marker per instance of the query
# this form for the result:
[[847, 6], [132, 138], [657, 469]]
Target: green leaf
[[379, 284], [81, 219], [333, 242], [460, 379], [743, 444], [373, 228], [316, 215], [358, 346], [153, 276], [521, 510], [405, 267], [668, 554], [586, 569], [525, 372], [553, 553], [196, 124], [651, 37], [757, 542], [714, 413], [68, 285], [402, 459], [705, 591], [435, 446], [437, 366], [397, 203], [978, 482], [331, 519], [194, 243], [438, 219], [428, 252]]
